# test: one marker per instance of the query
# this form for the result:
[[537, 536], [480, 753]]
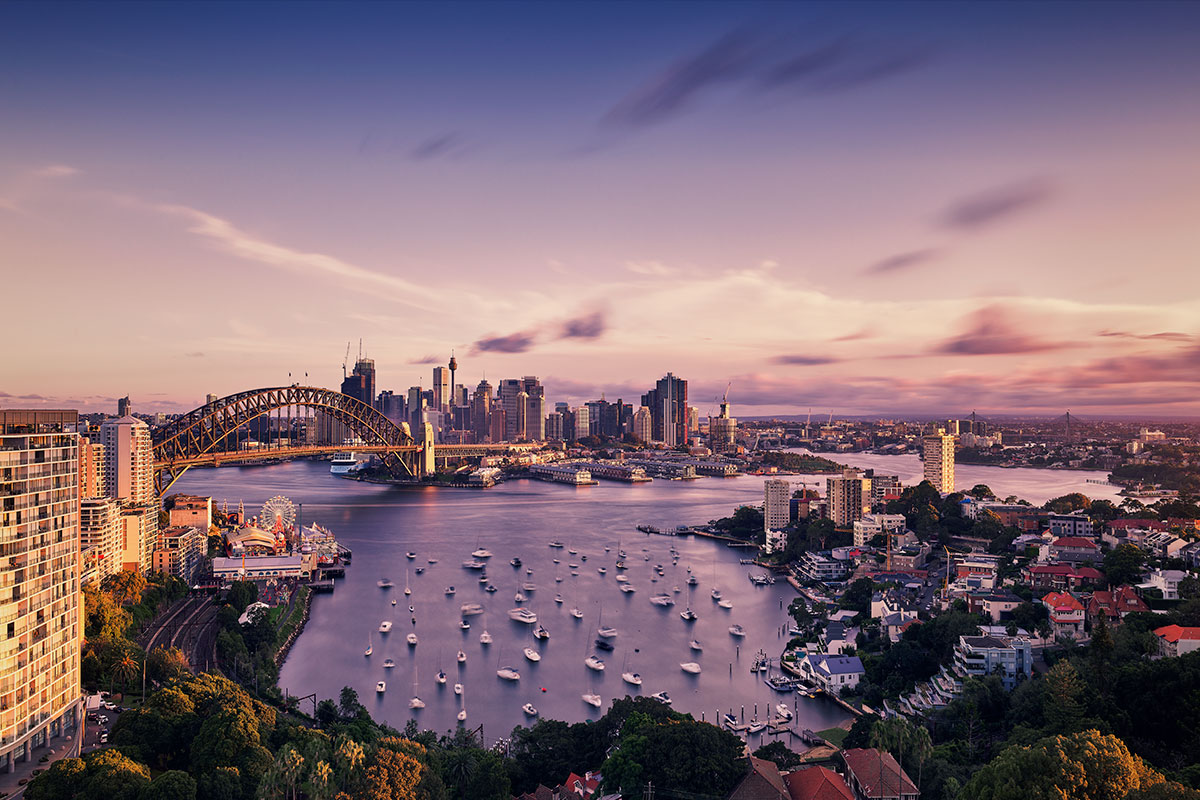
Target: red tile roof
[[878, 773], [762, 782], [1061, 601], [817, 783], [1173, 633], [1074, 541]]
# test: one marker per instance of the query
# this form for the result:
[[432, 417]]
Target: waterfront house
[[831, 672], [1175, 640], [875, 775], [834, 638], [1008, 656]]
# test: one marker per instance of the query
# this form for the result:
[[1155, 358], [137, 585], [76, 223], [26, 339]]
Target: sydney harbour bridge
[[209, 435]]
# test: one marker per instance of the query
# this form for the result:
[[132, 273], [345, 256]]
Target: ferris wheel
[[278, 514]]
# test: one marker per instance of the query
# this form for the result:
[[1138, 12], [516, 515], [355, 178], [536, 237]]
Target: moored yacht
[[592, 699], [532, 655], [632, 678], [523, 615], [690, 667], [529, 710], [737, 630], [381, 687], [411, 639], [594, 663], [482, 553], [508, 674], [385, 626], [662, 697]]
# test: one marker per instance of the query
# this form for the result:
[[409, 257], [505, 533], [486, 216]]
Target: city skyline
[[854, 208]]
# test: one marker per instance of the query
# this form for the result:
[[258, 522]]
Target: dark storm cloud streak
[[874, 69], [799, 360], [426, 360], [902, 261], [512, 343], [440, 145], [588, 326], [804, 65], [992, 205], [992, 333]]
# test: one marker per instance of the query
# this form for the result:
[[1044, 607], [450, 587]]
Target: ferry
[[523, 615], [343, 464]]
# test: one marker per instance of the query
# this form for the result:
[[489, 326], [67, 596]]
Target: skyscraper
[[128, 460], [453, 391], [777, 507], [642, 424], [91, 468], [415, 407], [553, 430], [848, 497], [39, 582], [939, 460], [481, 409], [124, 407], [506, 398], [668, 406], [722, 431], [441, 387], [99, 531], [535, 408]]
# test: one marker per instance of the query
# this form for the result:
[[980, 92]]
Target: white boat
[[519, 598], [370, 647], [716, 594], [690, 667], [755, 727], [783, 711], [482, 553], [411, 609], [385, 626], [458, 688], [411, 639], [695, 645], [556, 543], [541, 633], [441, 678], [471, 609], [343, 464], [528, 587], [415, 702], [662, 697], [449, 590], [632, 678], [558, 579], [462, 714], [473, 564], [389, 663], [602, 570], [431, 561], [576, 613], [688, 615], [558, 599], [393, 601], [627, 589], [606, 632], [725, 604], [737, 630], [532, 655], [592, 700], [522, 615], [384, 583], [594, 663], [508, 674], [461, 657], [464, 625], [622, 579], [407, 591], [662, 600], [490, 589], [485, 638], [529, 710], [381, 687], [410, 555]]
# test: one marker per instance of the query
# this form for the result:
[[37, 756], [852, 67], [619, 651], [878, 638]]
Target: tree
[[392, 776], [1065, 690], [1123, 564], [242, 594], [62, 781], [125, 670], [1082, 766], [125, 587], [1067, 503], [113, 776], [171, 785], [1189, 588], [779, 753], [799, 612], [686, 755], [857, 596], [981, 491]]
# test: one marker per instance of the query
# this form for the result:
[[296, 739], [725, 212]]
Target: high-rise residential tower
[[642, 424], [128, 460], [939, 460], [848, 497], [777, 505], [124, 407], [39, 582]]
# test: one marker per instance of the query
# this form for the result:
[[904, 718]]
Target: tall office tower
[[668, 406], [462, 396], [848, 497], [91, 468], [366, 368], [453, 388], [481, 412], [441, 387], [506, 398], [643, 424], [560, 406], [621, 411], [415, 407], [391, 405], [124, 407], [99, 529], [553, 430], [535, 408], [777, 504], [39, 582], [939, 461], [722, 431], [583, 423], [520, 428], [128, 461], [498, 427], [693, 422], [210, 399]]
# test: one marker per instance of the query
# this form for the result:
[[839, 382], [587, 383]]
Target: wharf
[[323, 587]]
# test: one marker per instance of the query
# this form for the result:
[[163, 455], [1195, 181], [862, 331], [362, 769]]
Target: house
[[1166, 581], [832, 672], [540, 793], [817, 783], [1073, 550], [999, 605], [1077, 523], [1114, 605], [834, 638], [875, 775], [580, 786], [1175, 640], [1060, 576], [1008, 656], [762, 782], [1163, 544], [1066, 615], [1191, 554]]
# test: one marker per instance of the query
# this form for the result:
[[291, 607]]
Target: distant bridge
[[201, 437]]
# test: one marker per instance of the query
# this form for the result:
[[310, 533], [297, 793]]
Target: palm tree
[[921, 748], [125, 669], [461, 766]]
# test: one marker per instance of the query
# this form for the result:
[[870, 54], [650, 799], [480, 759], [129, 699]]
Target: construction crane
[[345, 359]]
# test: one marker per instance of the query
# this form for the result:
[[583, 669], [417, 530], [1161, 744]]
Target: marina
[[516, 521]]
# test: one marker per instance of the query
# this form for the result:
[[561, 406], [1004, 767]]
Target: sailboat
[[687, 614], [370, 648], [407, 591], [416, 702], [462, 712], [603, 631], [629, 676]]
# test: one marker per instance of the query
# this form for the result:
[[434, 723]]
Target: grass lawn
[[835, 736]]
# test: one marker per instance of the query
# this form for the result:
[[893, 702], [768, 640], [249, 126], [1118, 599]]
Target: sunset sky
[[894, 208]]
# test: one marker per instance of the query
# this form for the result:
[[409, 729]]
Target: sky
[[894, 208]]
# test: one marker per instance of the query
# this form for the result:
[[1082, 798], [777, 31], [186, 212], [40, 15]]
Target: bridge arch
[[193, 438]]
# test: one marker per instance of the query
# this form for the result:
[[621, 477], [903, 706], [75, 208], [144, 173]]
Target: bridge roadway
[[442, 452]]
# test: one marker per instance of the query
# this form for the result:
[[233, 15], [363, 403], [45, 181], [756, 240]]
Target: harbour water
[[518, 519]]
